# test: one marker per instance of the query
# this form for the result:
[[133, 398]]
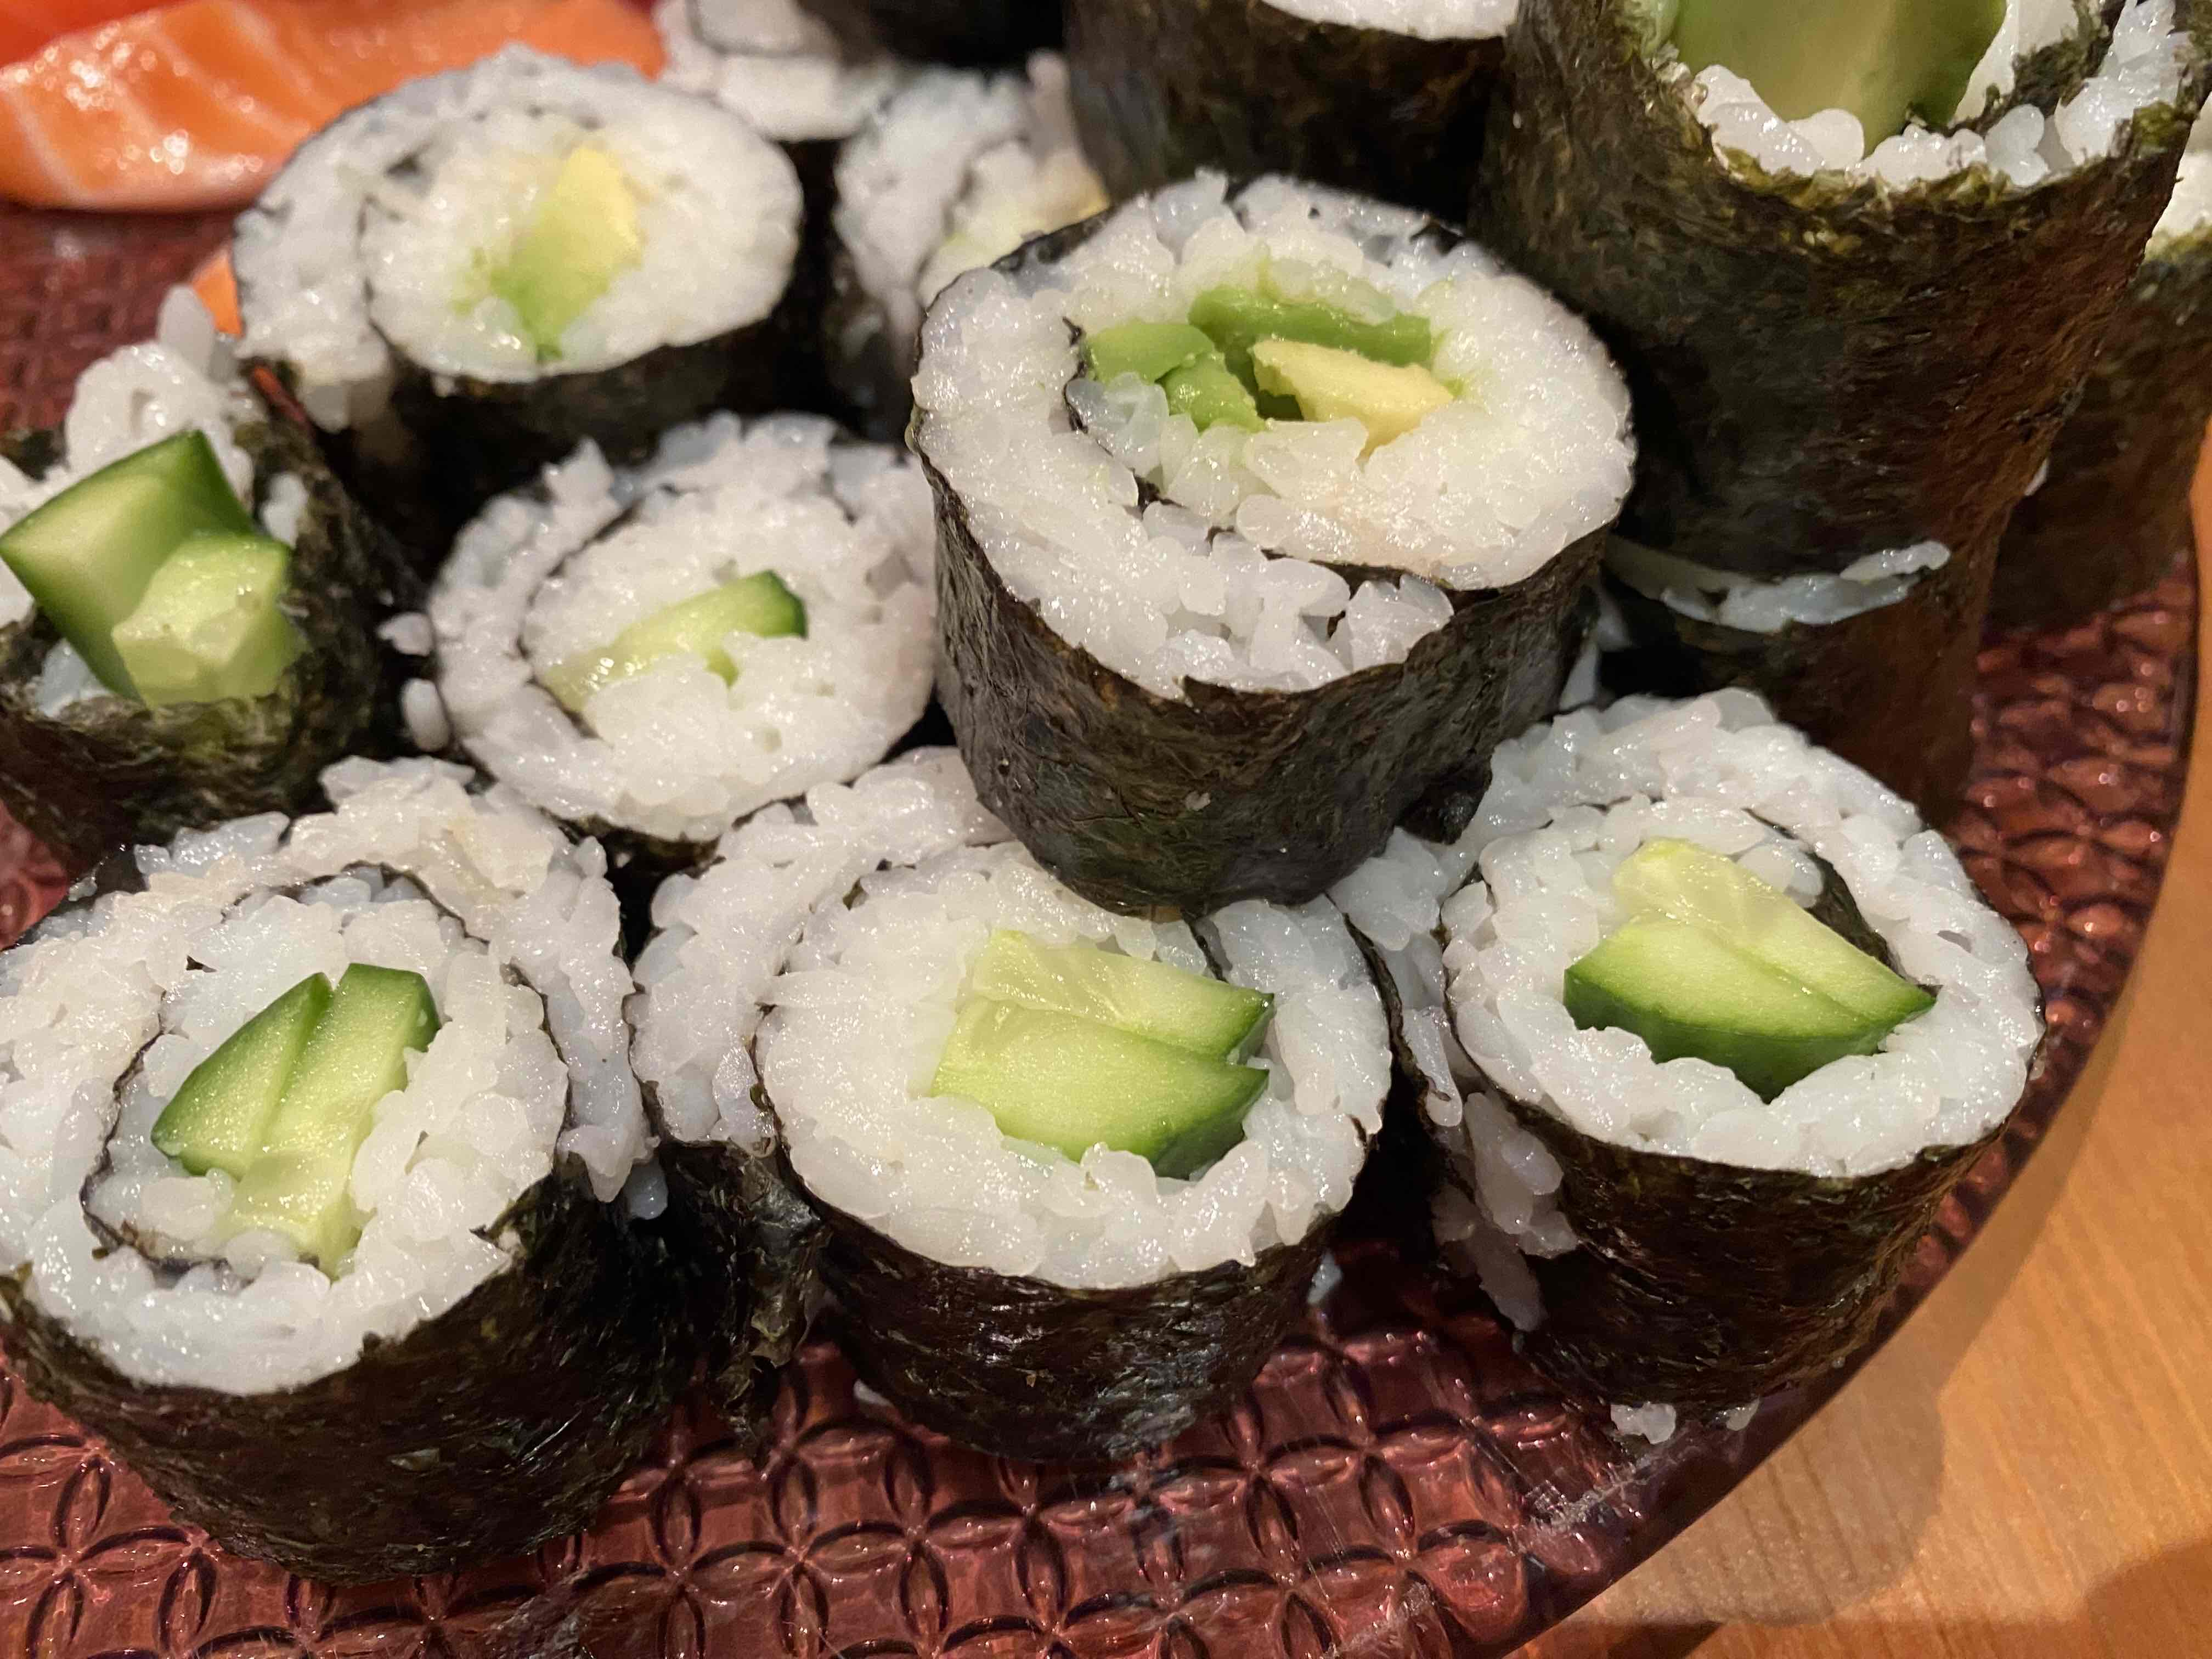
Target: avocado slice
[[89, 554], [1151, 1000], [1066, 1081], [218, 1119], [1885, 61], [1238, 319], [1333, 385], [759, 604], [1211, 396], [1150, 351], [210, 624], [583, 235], [354, 1056]]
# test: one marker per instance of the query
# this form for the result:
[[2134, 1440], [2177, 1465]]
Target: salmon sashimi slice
[[27, 25], [197, 104]]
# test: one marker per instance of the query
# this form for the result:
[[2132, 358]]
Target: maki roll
[[1071, 1173], [311, 1186], [958, 171], [1728, 1022], [2111, 512], [1388, 97], [649, 655], [463, 278], [1263, 514], [1855, 308], [188, 621]]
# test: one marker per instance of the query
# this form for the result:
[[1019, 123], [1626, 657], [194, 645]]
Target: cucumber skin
[[174, 1129], [1765, 1064]]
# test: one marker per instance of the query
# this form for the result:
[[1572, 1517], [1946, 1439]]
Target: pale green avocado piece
[[218, 1119], [1388, 399], [1238, 319], [210, 624], [1152, 999], [1150, 351], [1680, 879], [1885, 61], [1065, 1081], [583, 235], [759, 604], [355, 1055], [1211, 396], [87, 556]]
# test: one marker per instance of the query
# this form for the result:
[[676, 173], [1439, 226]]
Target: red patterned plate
[[1397, 1482]]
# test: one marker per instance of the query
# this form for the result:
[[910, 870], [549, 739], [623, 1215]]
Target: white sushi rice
[[674, 752], [852, 920], [375, 235], [776, 64], [1225, 579], [104, 1012], [1766, 605], [1425, 20]]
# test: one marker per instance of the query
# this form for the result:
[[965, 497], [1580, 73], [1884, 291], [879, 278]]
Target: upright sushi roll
[[188, 621], [1856, 309], [1263, 515], [1385, 97], [1072, 1173], [462, 279], [1709, 1023], [311, 1184]]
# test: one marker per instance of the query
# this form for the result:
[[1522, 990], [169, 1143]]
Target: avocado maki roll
[[1072, 1172], [462, 279], [189, 606], [312, 1197], [1387, 97], [1262, 515]]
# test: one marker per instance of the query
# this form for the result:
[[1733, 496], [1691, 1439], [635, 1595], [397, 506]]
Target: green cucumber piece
[[1238, 319], [1211, 396], [210, 624], [1152, 999], [219, 1118], [759, 604], [1388, 399], [583, 236], [355, 1055], [1680, 879], [1065, 1081], [1150, 351], [1885, 61], [87, 556]]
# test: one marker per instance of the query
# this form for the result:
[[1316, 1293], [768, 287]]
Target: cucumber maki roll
[[1856, 261], [1388, 97], [1072, 1172], [189, 611], [1262, 515], [312, 1195], [463, 278], [1708, 1024]]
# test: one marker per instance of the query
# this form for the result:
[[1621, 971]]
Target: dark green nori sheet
[[2114, 511], [966, 32], [1822, 369], [1163, 88], [110, 771], [869, 369]]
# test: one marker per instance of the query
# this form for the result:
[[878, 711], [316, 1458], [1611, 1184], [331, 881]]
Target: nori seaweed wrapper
[[966, 32], [1163, 88], [108, 772], [2114, 511]]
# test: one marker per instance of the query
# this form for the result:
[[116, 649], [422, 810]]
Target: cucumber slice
[[210, 625], [218, 1120], [583, 236], [759, 604], [1145, 999], [1207, 393], [1238, 319], [1388, 399], [1065, 1081], [87, 556], [1150, 351], [355, 1055]]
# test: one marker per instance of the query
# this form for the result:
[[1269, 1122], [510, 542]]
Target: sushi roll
[[650, 654], [1708, 1024], [1387, 97], [460, 280], [1072, 1173], [1263, 514], [312, 1186], [1852, 331], [189, 607], [2110, 513], [958, 171]]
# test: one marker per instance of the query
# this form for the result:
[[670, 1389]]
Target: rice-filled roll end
[[318, 1181], [1073, 1172], [1263, 514]]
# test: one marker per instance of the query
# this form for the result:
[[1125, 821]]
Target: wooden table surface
[[2026, 1470]]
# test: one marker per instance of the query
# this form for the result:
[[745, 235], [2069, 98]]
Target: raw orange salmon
[[27, 25], [197, 104]]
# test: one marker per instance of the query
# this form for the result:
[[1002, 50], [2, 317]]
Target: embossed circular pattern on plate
[[1397, 1482]]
